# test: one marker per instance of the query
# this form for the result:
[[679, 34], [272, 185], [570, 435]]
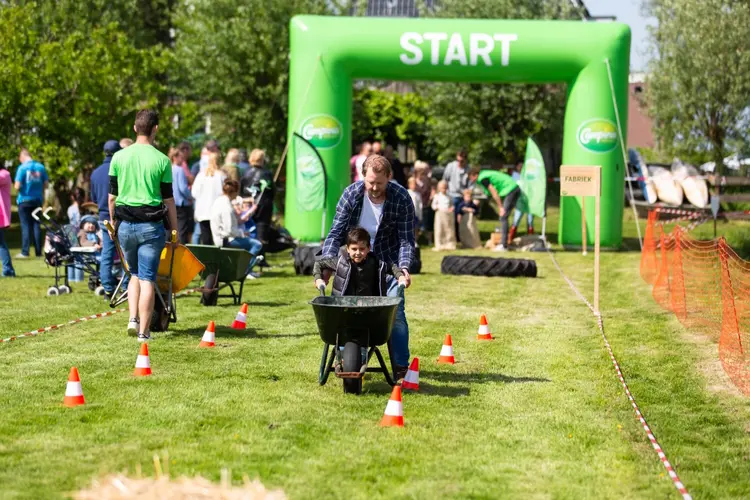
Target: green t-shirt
[[140, 170], [503, 183]]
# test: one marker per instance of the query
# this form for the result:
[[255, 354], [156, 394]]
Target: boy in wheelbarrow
[[357, 271]]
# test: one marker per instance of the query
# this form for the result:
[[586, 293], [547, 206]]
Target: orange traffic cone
[[73, 391], [394, 411], [142, 362], [446, 353], [240, 322], [484, 329], [209, 336], [411, 380]]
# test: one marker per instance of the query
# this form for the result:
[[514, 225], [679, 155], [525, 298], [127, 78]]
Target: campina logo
[[323, 131], [597, 135]]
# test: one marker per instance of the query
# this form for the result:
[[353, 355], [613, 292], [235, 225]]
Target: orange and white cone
[[484, 329], [240, 322], [411, 380], [446, 353], [142, 362], [73, 391], [394, 411], [209, 336]]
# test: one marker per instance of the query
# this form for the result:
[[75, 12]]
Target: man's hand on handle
[[405, 279]]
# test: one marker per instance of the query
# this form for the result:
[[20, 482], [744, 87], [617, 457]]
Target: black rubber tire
[[304, 259], [159, 318], [352, 363], [210, 298], [416, 263], [487, 266]]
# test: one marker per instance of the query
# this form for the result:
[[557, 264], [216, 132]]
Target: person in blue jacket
[[31, 183], [100, 196]]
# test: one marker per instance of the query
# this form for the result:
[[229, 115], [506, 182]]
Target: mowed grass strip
[[536, 413]]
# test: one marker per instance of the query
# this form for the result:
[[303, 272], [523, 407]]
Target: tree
[[699, 83], [233, 58], [494, 121], [66, 88]]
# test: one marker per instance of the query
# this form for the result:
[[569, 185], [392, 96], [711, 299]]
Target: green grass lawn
[[538, 413]]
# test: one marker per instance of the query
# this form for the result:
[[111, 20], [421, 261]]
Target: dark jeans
[[184, 223], [5, 256], [456, 201], [30, 227], [509, 203], [206, 238]]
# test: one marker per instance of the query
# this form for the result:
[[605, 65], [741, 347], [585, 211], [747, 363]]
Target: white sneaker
[[144, 337], [21, 256], [252, 276], [500, 248], [133, 327]]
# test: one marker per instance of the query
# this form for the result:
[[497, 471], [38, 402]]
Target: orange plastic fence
[[707, 286]]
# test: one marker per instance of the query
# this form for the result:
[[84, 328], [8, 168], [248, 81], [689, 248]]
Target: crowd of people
[[446, 211]]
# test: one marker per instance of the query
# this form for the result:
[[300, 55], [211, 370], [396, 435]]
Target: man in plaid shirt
[[386, 211]]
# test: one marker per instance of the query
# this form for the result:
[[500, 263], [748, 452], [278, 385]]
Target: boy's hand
[[319, 283]]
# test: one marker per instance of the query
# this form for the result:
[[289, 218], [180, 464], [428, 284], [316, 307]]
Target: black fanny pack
[[144, 213]]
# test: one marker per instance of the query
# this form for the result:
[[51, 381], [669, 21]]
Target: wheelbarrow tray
[[365, 320], [222, 265]]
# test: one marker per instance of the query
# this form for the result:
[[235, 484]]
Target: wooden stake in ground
[[586, 181]]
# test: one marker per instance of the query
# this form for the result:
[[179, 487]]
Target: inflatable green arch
[[328, 53]]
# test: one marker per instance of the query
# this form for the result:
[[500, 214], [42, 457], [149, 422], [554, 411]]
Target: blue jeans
[[108, 260], [75, 274], [142, 243], [251, 245], [400, 331], [30, 226], [196, 233], [5, 256], [517, 218]]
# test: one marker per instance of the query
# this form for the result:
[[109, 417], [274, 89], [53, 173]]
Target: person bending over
[[357, 271]]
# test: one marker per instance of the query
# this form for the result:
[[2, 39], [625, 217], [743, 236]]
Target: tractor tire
[[304, 259], [487, 266]]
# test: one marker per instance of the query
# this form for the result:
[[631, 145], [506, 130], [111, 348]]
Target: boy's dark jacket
[[343, 271]]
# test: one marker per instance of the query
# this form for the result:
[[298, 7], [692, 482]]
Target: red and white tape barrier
[[600, 323], [38, 331], [34, 333]]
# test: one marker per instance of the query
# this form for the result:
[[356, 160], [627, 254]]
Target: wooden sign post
[[585, 181]]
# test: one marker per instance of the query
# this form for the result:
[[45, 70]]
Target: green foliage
[[390, 117], [65, 89], [234, 61], [699, 86]]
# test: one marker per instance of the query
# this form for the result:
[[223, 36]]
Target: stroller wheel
[[52, 292], [352, 363], [65, 289], [99, 292]]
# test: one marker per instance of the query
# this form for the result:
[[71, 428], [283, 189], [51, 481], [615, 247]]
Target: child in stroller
[[62, 251]]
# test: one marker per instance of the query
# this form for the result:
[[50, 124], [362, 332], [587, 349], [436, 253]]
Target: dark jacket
[[342, 279], [100, 188], [250, 182]]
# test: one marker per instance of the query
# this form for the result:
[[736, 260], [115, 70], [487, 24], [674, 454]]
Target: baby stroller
[[62, 251]]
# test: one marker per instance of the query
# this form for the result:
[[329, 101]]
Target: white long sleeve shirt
[[224, 221], [205, 191]]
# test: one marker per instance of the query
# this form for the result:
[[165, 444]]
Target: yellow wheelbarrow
[[177, 268]]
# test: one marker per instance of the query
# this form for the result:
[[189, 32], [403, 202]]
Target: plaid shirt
[[394, 242]]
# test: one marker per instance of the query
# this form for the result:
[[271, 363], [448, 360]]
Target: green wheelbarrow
[[224, 268], [354, 327]]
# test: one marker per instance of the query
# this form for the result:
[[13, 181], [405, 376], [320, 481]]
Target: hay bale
[[163, 488]]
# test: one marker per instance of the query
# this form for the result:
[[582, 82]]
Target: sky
[[628, 12]]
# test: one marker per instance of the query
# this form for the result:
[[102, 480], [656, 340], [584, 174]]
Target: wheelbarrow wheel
[[160, 317], [352, 363], [212, 297]]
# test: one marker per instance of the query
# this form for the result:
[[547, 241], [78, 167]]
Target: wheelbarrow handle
[[173, 237], [322, 289]]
